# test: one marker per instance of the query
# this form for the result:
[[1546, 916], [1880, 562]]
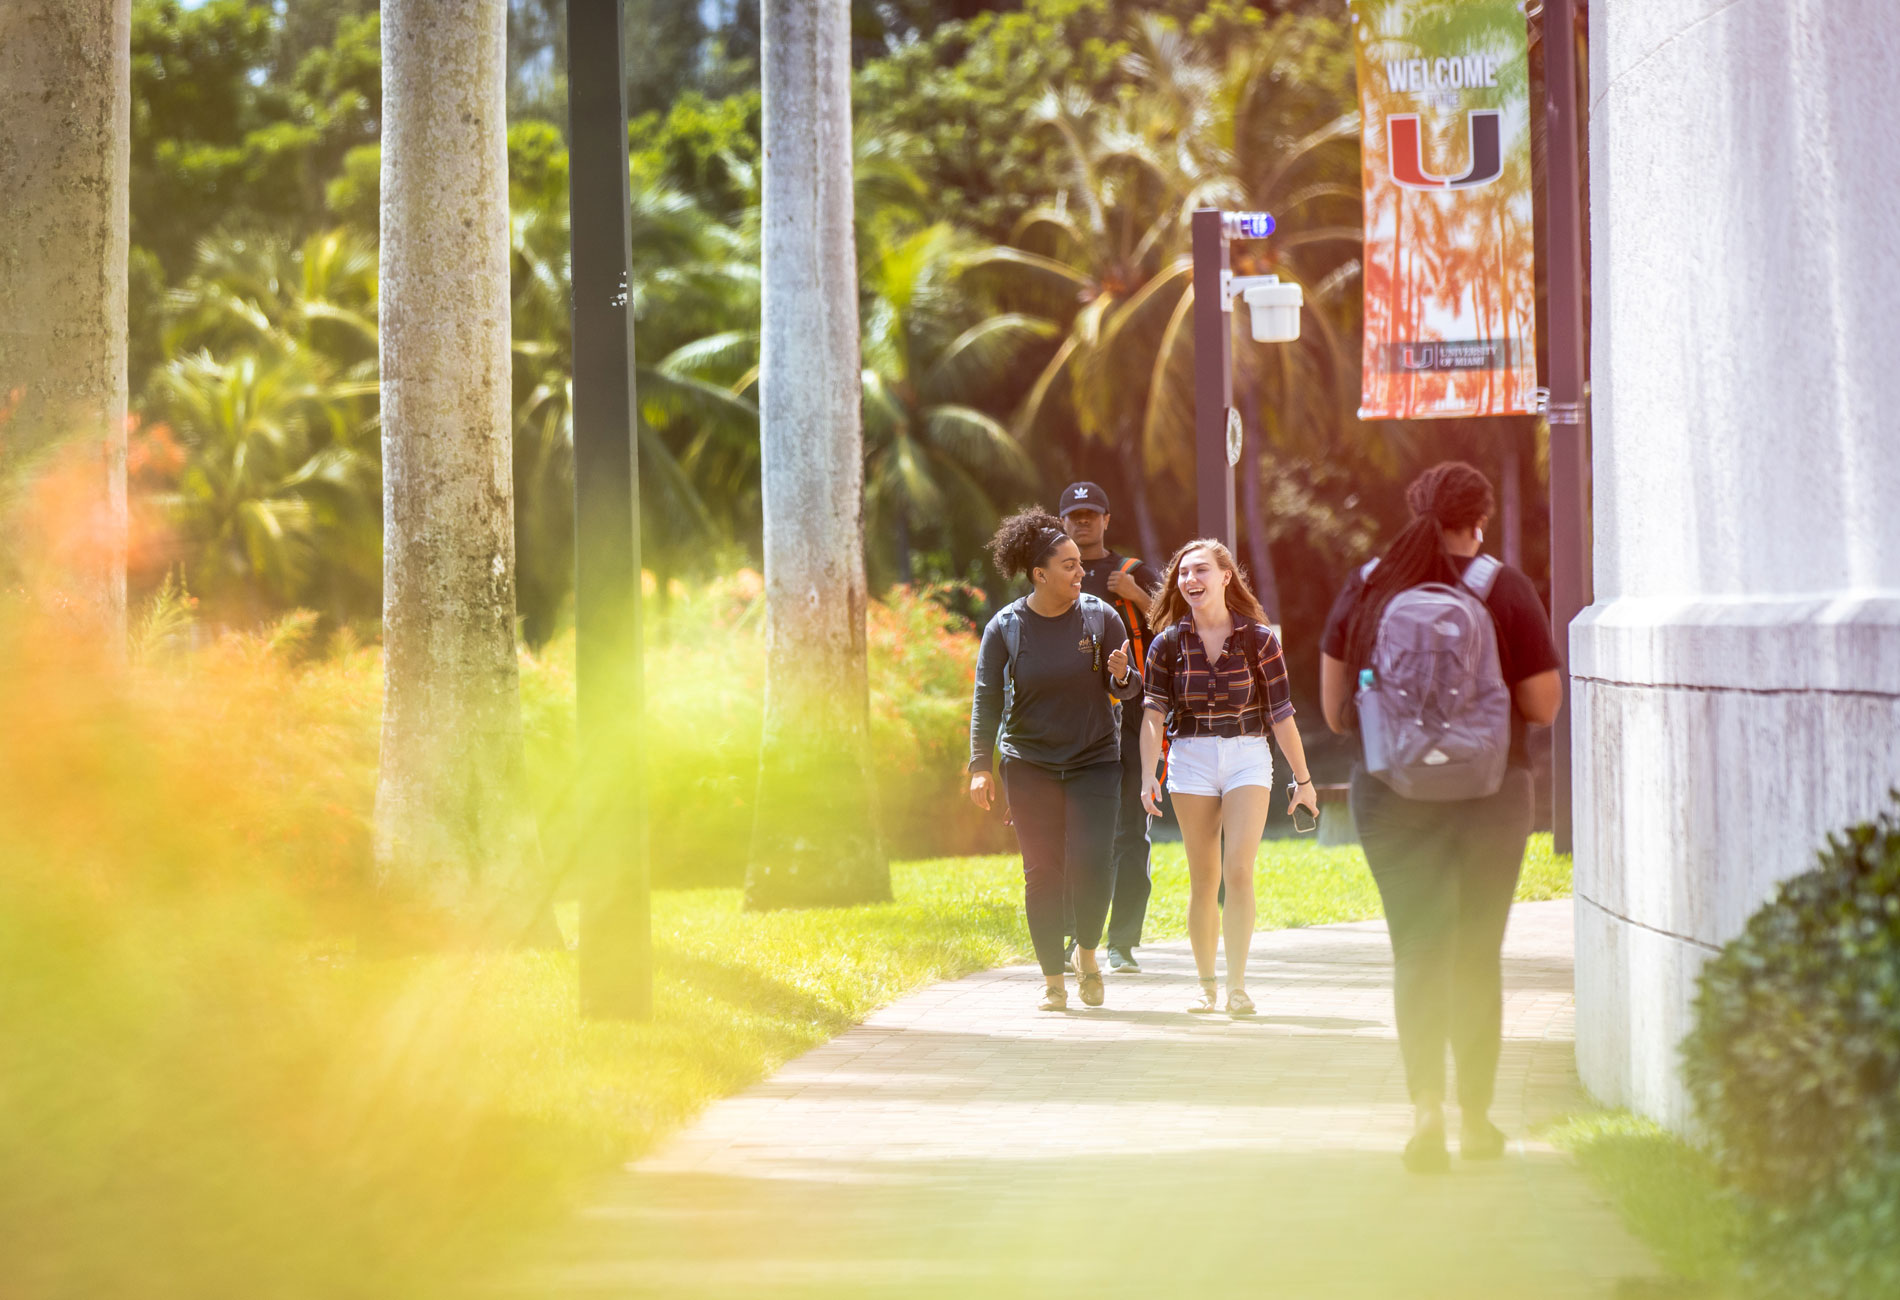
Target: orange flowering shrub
[[268, 740], [923, 669]]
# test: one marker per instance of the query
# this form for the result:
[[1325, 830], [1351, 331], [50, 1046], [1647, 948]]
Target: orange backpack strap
[[1132, 617]]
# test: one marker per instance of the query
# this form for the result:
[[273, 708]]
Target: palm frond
[[976, 358], [979, 443]]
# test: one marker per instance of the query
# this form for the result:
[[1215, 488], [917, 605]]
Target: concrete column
[[1737, 683]]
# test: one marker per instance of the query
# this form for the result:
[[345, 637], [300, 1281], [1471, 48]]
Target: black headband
[[1048, 539]]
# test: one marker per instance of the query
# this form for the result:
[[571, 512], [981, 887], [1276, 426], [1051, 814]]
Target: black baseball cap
[[1082, 496]]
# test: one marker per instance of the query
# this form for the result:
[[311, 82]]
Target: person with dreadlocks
[[1446, 866]]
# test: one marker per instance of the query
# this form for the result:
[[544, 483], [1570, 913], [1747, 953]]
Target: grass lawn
[[1666, 1192], [1300, 882], [197, 1106]]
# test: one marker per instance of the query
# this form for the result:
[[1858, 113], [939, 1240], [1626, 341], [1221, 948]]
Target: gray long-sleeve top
[[1059, 710]]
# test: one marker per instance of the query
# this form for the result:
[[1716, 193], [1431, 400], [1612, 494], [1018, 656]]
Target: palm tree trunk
[[1130, 456], [1266, 583], [452, 828], [815, 837], [65, 138]]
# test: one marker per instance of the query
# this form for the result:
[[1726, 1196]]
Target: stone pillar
[[1737, 683]]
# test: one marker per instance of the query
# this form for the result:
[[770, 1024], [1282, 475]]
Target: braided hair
[[1025, 540], [1449, 497]]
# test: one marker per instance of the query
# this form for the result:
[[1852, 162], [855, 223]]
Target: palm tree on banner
[[933, 462]]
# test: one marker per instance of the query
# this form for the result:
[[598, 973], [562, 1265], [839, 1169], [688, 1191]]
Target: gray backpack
[[1434, 712]]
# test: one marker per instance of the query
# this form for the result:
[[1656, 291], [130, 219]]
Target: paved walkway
[[961, 1144]]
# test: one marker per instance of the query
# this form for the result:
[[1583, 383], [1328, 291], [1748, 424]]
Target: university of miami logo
[[1406, 149]]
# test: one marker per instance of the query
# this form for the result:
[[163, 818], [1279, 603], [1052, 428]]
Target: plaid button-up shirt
[[1220, 698]]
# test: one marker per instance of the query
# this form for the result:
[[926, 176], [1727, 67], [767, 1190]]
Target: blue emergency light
[[1250, 225]]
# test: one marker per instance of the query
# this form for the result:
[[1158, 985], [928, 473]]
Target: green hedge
[[1794, 1066]]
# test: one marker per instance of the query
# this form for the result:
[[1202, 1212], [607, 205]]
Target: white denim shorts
[[1213, 765]]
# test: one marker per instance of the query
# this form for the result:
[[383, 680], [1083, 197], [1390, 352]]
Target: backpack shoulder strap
[[1095, 626], [1094, 616], [1481, 575], [1167, 641], [1133, 613], [1011, 619]]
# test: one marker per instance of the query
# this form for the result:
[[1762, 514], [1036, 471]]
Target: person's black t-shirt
[[1525, 645], [1060, 714], [1095, 576]]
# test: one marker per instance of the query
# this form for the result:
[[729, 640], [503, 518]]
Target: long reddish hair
[[1170, 606]]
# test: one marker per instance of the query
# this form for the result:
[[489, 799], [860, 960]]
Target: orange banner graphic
[[1450, 274]]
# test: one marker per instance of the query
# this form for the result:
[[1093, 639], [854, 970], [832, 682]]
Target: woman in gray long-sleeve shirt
[[1050, 675]]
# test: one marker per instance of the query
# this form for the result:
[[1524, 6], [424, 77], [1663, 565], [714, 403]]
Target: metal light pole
[[1568, 408], [1213, 376], [616, 945], [1217, 430]]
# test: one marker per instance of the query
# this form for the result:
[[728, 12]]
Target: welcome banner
[[1449, 263]]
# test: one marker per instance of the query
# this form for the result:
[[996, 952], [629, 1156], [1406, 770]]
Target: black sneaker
[[1068, 959], [1122, 961]]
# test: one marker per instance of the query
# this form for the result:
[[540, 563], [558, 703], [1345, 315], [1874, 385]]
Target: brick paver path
[[961, 1144]]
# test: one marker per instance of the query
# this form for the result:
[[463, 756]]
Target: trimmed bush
[[1794, 1066]]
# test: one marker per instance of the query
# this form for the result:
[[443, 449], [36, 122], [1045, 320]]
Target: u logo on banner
[[1406, 149]]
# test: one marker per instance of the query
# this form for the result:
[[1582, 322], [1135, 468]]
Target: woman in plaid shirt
[[1216, 680]]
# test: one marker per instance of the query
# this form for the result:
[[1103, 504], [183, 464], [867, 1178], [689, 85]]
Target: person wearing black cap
[[1128, 585]]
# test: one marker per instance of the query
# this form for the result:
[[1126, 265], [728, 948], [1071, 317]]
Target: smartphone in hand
[[1303, 821]]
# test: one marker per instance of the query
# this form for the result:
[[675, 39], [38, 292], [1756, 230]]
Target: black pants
[[1130, 853], [1446, 874], [1065, 824]]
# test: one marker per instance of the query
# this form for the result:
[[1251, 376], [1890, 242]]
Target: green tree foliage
[[936, 467], [221, 136], [1024, 178], [961, 94], [708, 148], [695, 298], [270, 387]]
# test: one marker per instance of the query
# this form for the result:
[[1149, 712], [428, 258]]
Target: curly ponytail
[[1025, 540], [1448, 497]]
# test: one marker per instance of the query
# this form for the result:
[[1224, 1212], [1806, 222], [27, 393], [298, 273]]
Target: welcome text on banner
[[1450, 271]]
